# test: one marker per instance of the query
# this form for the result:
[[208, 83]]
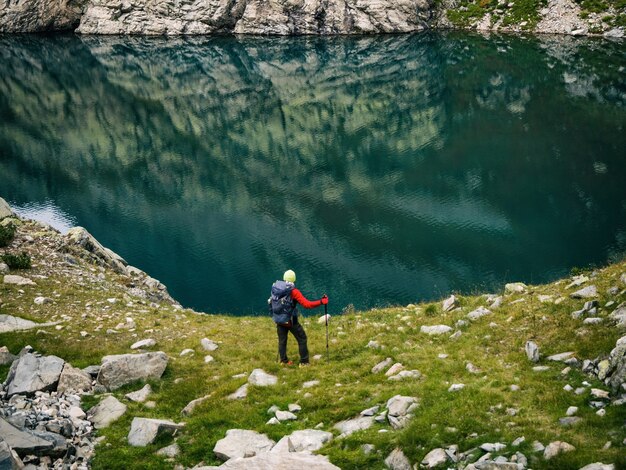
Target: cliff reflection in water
[[382, 170]]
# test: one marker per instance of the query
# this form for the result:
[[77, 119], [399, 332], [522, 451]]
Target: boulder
[[616, 371], [73, 379], [104, 413], [9, 460], [585, 293], [280, 461], [6, 357], [23, 442], [450, 304], [79, 237], [323, 319], [515, 288], [435, 458], [18, 280], [350, 426], [260, 378], [435, 329], [397, 460], [305, 440], [598, 466], [143, 431], [242, 443], [141, 395], [5, 209], [400, 410], [619, 317], [478, 313], [555, 448], [532, 351], [123, 369], [30, 374]]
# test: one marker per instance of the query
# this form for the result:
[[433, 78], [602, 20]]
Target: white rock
[[144, 343], [260, 378], [310, 384], [170, 451], [208, 358], [435, 458], [450, 303], [456, 387], [381, 366], [571, 411], [18, 280], [406, 374], [141, 395], [322, 320], [109, 409], [394, 369], [208, 344], [397, 460], [515, 288], [307, 440], [285, 416], [585, 293], [435, 329], [143, 431], [555, 448], [351, 426], [118, 370], [598, 466], [42, 300], [478, 313], [562, 357], [493, 447], [240, 393], [186, 352], [294, 407], [242, 443]]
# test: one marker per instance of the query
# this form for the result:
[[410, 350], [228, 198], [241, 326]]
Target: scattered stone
[[351, 426], [450, 303], [585, 293], [367, 449], [240, 393], [306, 440], [122, 369], [6, 357], [285, 416], [310, 384], [107, 411], [400, 410], [532, 351], [208, 345], [538, 446], [555, 448], [187, 352], [599, 393], [493, 447], [278, 461], [73, 379], [208, 358], [373, 345], [397, 460], [541, 368], [143, 431], [42, 300], [456, 335], [394, 369], [170, 451], [519, 441], [577, 281], [562, 357], [593, 321], [187, 410], [294, 408], [478, 313], [260, 378], [456, 387], [29, 374], [144, 343], [406, 374], [435, 329], [370, 411], [9, 323], [141, 395], [435, 458], [598, 466], [273, 421], [18, 280], [23, 442], [571, 411], [515, 288], [472, 369], [323, 319], [242, 443], [570, 421], [381, 366]]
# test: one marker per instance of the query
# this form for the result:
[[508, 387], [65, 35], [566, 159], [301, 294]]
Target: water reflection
[[380, 169]]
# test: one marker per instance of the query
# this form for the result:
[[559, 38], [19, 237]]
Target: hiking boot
[[286, 363]]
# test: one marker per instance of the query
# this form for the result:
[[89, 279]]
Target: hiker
[[283, 307]]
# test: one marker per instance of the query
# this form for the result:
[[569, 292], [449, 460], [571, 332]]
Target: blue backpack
[[281, 306]]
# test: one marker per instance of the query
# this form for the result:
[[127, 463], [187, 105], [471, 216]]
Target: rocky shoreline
[[319, 17]]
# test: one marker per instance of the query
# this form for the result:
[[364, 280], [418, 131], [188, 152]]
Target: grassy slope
[[475, 415]]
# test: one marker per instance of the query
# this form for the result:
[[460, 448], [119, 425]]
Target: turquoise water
[[383, 170]]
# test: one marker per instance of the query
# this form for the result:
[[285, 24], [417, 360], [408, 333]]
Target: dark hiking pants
[[298, 332]]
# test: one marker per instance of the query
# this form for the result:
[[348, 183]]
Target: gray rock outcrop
[[350, 426], [141, 395], [280, 461], [31, 373], [23, 442], [5, 209], [253, 17], [31, 16], [242, 443], [123, 369], [305, 440], [397, 460], [6, 357], [80, 237], [9, 460], [260, 378], [435, 458], [615, 374], [400, 410], [10, 323]]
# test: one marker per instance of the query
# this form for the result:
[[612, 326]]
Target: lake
[[383, 170]]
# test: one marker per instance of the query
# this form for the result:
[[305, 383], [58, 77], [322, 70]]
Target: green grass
[[468, 418], [7, 232]]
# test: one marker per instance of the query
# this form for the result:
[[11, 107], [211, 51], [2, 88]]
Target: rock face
[[242, 443], [30, 374], [123, 369], [32, 16], [103, 256], [254, 17]]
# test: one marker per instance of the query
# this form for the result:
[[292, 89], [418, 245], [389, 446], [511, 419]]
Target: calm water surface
[[383, 170]]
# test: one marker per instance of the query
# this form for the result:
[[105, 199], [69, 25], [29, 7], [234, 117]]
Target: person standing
[[283, 307]]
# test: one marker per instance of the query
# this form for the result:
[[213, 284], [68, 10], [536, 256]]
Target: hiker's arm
[[302, 300]]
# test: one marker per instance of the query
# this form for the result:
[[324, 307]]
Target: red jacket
[[302, 300]]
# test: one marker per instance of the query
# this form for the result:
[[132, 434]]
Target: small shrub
[[21, 261], [7, 233], [431, 310]]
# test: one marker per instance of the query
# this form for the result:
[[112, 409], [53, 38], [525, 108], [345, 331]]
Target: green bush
[[21, 261], [6, 234]]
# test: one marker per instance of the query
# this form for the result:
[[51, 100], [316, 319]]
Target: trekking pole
[[326, 318]]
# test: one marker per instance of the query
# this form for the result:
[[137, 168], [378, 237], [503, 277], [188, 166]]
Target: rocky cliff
[[319, 17]]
